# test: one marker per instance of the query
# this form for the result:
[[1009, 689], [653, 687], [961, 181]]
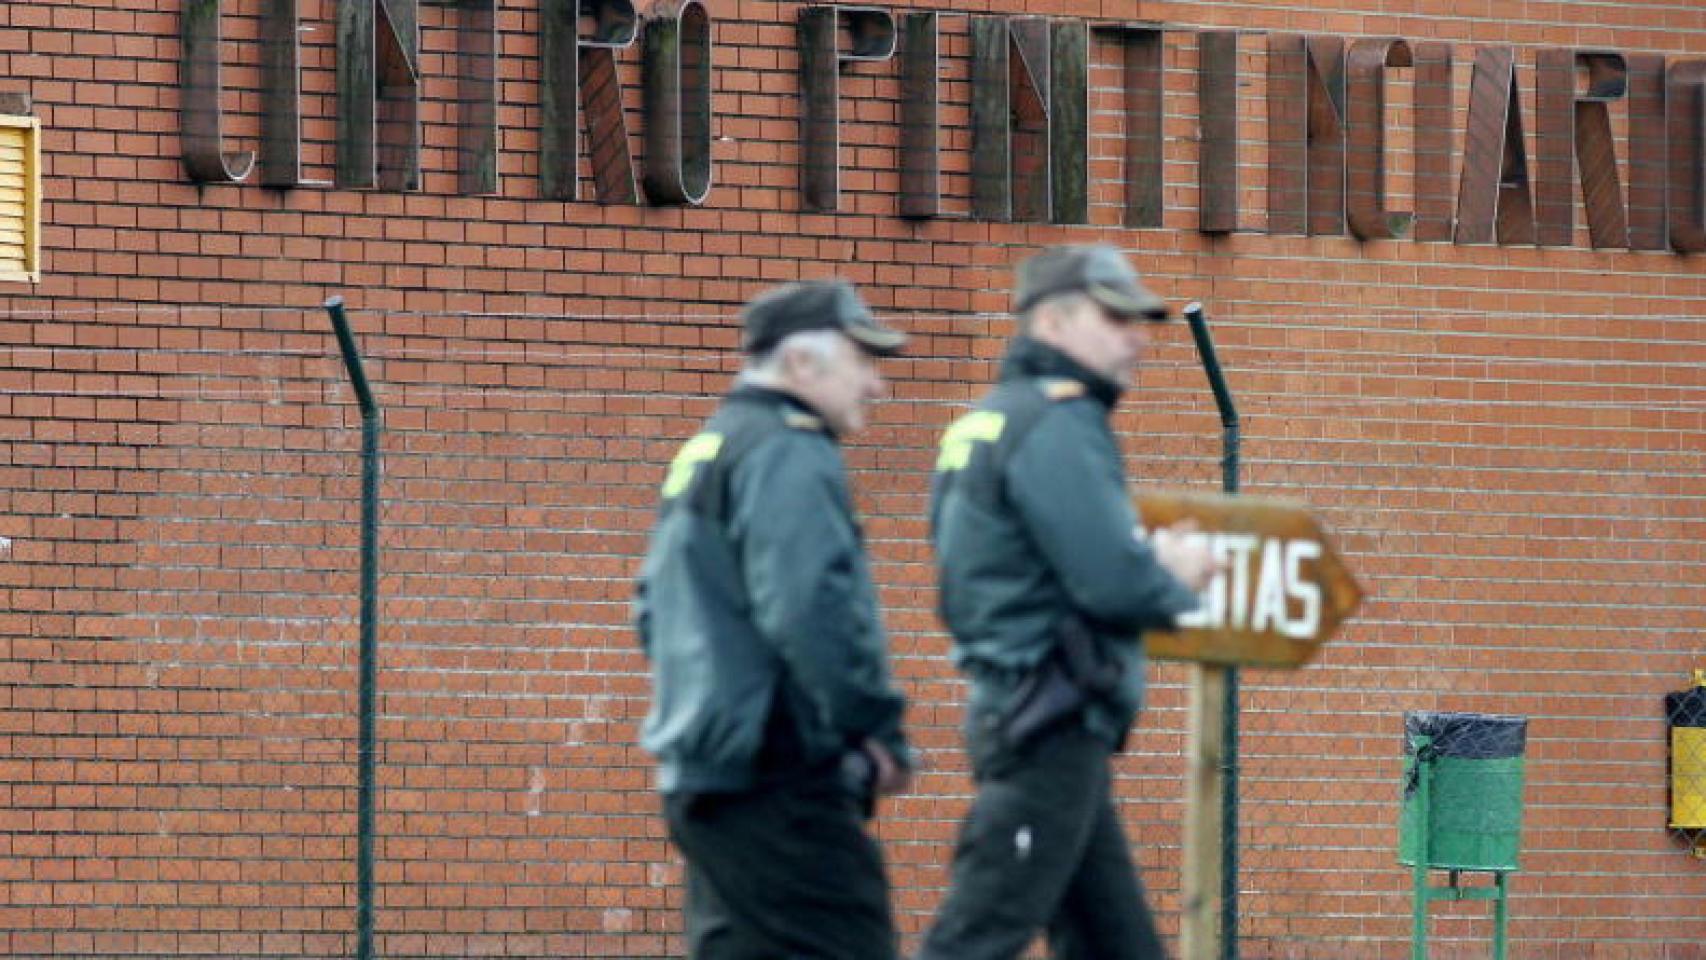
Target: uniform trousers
[[785, 871], [1042, 850]]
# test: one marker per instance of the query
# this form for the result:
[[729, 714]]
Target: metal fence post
[[365, 757], [1229, 796]]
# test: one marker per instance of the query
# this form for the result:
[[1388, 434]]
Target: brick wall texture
[[1508, 441]]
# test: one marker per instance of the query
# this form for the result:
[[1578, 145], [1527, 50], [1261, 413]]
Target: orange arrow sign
[[1283, 593]]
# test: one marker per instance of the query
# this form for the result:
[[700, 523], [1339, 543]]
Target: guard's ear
[[1049, 317], [800, 363]]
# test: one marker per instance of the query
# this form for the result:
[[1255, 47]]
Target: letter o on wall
[[678, 103]]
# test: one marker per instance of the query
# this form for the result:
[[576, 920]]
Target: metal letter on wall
[[991, 120], [1288, 134], [1574, 133], [1647, 149], [1493, 194], [1326, 83], [920, 116], [1306, 134], [205, 157], [678, 103], [1554, 146], [872, 34], [1069, 122], [1365, 135], [281, 95], [476, 96], [601, 96], [378, 78], [1141, 47], [1685, 105], [580, 72], [1010, 118], [1217, 160], [559, 97], [1433, 141]]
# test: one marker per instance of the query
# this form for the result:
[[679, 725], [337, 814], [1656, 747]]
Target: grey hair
[[765, 369]]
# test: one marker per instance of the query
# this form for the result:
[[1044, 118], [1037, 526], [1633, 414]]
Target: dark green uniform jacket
[[756, 607], [1032, 523]]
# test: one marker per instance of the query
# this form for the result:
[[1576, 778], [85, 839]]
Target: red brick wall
[[1508, 440]]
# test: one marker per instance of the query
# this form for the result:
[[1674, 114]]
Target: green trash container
[[1474, 815]]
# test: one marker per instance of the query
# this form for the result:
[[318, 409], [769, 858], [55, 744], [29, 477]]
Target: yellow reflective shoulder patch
[[803, 421], [701, 449], [979, 426], [1063, 389]]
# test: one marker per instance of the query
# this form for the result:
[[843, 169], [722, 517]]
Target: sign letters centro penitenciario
[[1029, 118]]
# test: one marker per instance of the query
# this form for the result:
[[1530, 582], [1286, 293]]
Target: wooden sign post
[[1283, 593]]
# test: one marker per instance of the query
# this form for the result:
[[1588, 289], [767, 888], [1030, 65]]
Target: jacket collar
[[1028, 358], [780, 400]]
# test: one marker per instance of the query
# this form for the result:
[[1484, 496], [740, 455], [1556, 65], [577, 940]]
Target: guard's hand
[[891, 777], [1186, 555]]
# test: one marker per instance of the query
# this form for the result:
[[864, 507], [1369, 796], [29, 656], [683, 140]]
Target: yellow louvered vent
[[20, 199]]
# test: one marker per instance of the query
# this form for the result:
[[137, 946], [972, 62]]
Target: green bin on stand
[[1474, 817], [1462, 810]]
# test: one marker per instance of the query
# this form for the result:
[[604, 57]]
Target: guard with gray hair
[[774, 719]]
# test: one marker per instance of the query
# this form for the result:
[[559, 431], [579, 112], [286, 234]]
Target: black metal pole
[[369, 644], [1229, 795]]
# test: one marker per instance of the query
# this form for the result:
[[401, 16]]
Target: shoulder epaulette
[[1062, 389], [803, 421]]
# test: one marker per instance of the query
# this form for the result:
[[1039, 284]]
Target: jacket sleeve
[[1065, 481], [810, 587]]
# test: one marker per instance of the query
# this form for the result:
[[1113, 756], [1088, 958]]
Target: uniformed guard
[[1047, 585], [773, 717]]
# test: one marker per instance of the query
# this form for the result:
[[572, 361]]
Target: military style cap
[[816, 305], [1096, 270]]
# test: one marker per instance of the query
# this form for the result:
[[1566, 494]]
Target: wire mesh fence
[[1525, 513]]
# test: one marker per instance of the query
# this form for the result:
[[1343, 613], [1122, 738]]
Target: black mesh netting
[[1471, 736]]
